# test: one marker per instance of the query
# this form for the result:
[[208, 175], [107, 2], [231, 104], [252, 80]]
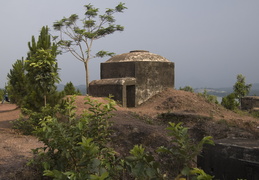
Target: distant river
[[219, 99]]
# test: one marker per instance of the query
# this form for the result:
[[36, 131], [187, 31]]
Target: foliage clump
[[187, 88], [183, 148], [208, 97], [240, 89], [69, 89], [29, 119], [230, 102], [17, 82], [31, 82], [76, 147]]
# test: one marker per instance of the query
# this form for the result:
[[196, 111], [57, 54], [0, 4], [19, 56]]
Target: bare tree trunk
[[86, 77], [45, 100]]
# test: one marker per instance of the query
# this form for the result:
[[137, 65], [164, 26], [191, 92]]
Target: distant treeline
[[222, 92], [81, 88]]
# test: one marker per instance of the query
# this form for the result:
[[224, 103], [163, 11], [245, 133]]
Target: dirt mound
[[180, 101], [197, 113], [146, 124], [81, 105], [172, 100], [183, 102]]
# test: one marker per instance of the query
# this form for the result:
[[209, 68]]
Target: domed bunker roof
[[137, 55]]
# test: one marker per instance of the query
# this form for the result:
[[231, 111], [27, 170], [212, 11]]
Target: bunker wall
[[231, 159], [117, 70], [151, 78], [250, 102], [104, 90]]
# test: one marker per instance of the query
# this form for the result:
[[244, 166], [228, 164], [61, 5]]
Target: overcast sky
[[210, 41]]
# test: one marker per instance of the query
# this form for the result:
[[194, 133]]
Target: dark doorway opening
[[130, 95]]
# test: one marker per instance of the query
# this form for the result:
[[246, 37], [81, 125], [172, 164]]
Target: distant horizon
[[177, 87], [180, 86]]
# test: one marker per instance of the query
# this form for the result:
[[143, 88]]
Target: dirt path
[[15, 149]]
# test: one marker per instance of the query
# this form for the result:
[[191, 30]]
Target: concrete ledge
[[231, 159], [118, 81]]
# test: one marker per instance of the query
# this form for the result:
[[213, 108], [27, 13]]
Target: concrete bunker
[[132, 78], [250, 103]]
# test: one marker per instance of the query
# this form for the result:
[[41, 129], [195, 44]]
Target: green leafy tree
[[70, 89], [42, 68], [17, 82], [42, 65], [43, 42], [240, 88], [78, 39], [230, 102]]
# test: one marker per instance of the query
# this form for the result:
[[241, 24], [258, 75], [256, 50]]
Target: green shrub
[[230, 102], [142, 165], [208, 97], [29, 120], [69, 89], [255, 114], [187, 88], [183, 148], [75, 147]]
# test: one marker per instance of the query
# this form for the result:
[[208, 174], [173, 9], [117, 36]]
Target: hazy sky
[[210, 41]]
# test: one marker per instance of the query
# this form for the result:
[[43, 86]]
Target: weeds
[[145, 119], [75, 147], [184, 149], [209, 98]]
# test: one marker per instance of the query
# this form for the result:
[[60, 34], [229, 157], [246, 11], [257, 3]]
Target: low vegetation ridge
[[222, 92]]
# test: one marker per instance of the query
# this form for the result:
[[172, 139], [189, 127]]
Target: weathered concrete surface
[[231, 159], [119, 88], [138, 55], [152, 78], [153, 73], [250, 103]]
